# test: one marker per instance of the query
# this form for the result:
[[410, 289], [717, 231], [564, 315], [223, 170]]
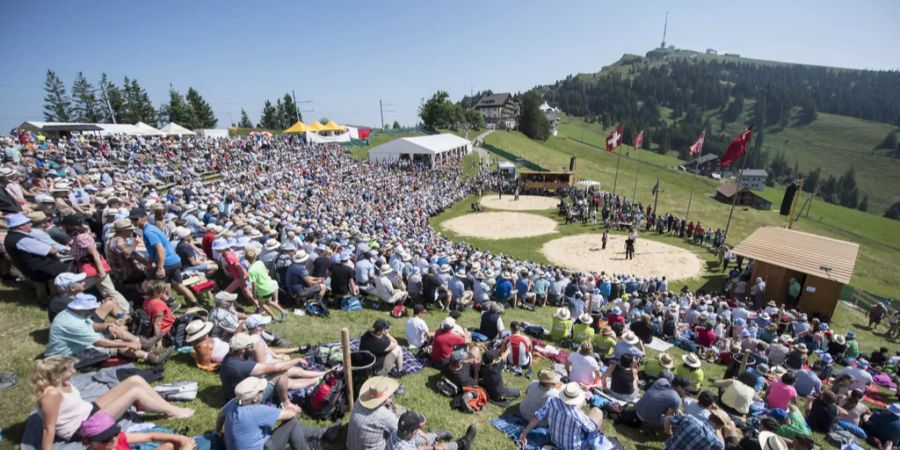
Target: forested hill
[[674, 94]]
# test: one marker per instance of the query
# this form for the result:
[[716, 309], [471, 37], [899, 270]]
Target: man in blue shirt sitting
[[166, 262], [503, 290]]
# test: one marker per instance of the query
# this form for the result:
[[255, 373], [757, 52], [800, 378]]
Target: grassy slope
[[873, 270], [25, 330]]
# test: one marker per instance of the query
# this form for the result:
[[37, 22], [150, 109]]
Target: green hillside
[[879, 237]]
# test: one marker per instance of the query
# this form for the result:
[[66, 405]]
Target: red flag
[[614, 139], [638, 140], [737, 148], [698, 146]]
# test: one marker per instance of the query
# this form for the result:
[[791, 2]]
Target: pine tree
[[202, 114], [812, 180], [532, 121], [177, 110], [85, 105], [291, 112], [138, 107], [269, 117], [115, 98], [396, 125], [56, 102], [245, 120], [864, 204]]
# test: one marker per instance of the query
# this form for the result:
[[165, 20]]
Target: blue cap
[[83, 302], [778, 414], [861, 363]]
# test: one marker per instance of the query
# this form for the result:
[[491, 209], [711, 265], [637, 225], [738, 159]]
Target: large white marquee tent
[[438, 147]]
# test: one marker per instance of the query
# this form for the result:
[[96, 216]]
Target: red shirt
[[155, 307], [614, 318], [122, 442], [706, 337], [444, 342], [515, 342], [206, 244]]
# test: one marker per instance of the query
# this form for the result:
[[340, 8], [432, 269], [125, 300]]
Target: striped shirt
[[690, 433], [369, 428], [569, 427]]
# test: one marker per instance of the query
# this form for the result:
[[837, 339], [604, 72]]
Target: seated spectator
[[781, 393], [605, 343], [492, 321], [125, 262], [37, 260], [654, 367], [491, 379], [388, 353], [884, 426], [582, 330], [384, 287], [623, 384], [582, 367], [373, 419], [518, 347], [231, 265], [853, 410], [410, 435], [503, 290], [879, 358], [797, 358], [629, 345], [643, 328], [72, 332], [705, 335], [700, 408], [808, 383], [736, 395], [225, 317], [538, 392], [300, 285], [459, 372], [100, 431], [86, 258], [265, 288], [190, 254], [562, 325], [63, 410], [822, 412], [790, 423], [207, 351], [445, 340], [570, 428], [155, 293], [239, 365], [248, 424], [689, 432], [461, 297], [692, 371], [68, 285], [417, 334], [861, 378]]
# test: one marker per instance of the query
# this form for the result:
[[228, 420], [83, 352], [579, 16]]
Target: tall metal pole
[[794, 204], [112, 114], [656, 198], [296, 105], [636, 173], [381, 108], [616, 179], [736, 193], [693, 181]]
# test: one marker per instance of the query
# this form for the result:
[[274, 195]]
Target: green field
[[879, 237]]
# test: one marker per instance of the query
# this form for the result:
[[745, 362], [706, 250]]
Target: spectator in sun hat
[[630, 344], [385, 289], [191, 259], [100, 432], [373, 418], [125, 262], [299, 284], [8, 203], [39, 225], [245, 422], [224, 316], [67, 285], [569, 427], [36, 260], [208, 351]]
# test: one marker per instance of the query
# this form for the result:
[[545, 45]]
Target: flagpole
[[616, 179], [736, 192], [636, 172], [656, 199], [693, 182]]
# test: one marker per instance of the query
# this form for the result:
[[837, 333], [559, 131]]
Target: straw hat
[[586, 319], [778, 370], [377, 390], [572, 394], [272, 244], [548, 376], [771, 441], [197, 329], [563, 313], [691, 360], [608, 331], [665, 360], [630, 338]]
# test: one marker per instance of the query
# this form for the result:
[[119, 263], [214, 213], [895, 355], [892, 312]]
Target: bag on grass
[[89, 357], [140, 324], [351, 304], [179, 390], [316, 309], [329, 355], [178, 333], [326, 400], [447, 387], [471, 399], [398, 311]]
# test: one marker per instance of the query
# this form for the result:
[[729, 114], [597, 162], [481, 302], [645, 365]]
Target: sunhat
[[630, 338], [242, 340], [691, 360], [182, 232], [386, 269], [16, 220], [563, 313], [572, 394], [300, 257], [223, 297], [771, 441], [65, 280], [254, 321], [272, 244], [99, 427], [249, 388], [377, 390], [548, 376], [665, 360], [586, 319], [83, 302], [445, 268], [197, 329]]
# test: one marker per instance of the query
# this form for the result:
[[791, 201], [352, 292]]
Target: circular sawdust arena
[[651, 258], [524, 203], [500, 225]]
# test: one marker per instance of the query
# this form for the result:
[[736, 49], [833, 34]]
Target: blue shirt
[[569, 427], [248, 427], [885, 426], [457, 287], [689, 432], [293, 277], [503, 289], [70, 333], [522, 287], [153, 236]]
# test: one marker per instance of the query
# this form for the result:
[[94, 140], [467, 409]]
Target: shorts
[[173, 274], [108, 350], [307, 293]]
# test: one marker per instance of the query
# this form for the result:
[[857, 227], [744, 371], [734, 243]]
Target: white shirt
[[416, 329], [582, 368], [861, 378], [384, 289]]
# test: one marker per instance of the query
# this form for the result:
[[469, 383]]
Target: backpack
[[398, 311], [351, 304], [316, 309], [471, 399], [326, 400], [839, 437], [537, 331], [179, 390], [447, 387], [178, 333], [329, 355], [140, 324]]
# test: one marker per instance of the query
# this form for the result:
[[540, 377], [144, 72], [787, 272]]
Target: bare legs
[[135, 390]]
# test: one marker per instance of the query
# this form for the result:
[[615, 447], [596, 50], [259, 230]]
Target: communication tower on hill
[[665, 27]]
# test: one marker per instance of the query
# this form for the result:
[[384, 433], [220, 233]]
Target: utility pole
[[112, 114], [381, 108], [665, 28], [297, 104]]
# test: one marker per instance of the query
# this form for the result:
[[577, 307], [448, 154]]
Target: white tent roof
[[421, 145], [148, 130], [174, 128], [506, 165]]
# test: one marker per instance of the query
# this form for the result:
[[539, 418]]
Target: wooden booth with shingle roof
[[822, 266]]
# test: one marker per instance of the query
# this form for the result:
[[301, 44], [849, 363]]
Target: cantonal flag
[[638, 140], [737, 148], [614, 139], [698, 146]]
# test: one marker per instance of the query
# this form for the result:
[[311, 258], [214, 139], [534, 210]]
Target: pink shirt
[[780, 395]]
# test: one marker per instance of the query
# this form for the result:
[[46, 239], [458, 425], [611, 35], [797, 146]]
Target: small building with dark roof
[[746, 197]]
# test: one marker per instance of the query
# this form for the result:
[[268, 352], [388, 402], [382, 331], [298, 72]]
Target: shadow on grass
[[714, 282], [40, 336], [20, 294], [212, 396], [512, 157]]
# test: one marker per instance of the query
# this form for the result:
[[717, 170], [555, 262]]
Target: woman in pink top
[[782, 393]]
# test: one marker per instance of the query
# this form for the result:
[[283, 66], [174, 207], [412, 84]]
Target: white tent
[[422, 148], [213, 132], [148, 130], [588, 183], [316, 138], [174, 129], [138, 129]]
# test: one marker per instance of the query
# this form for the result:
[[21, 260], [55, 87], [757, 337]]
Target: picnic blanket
[[659, 345], [411, 364], [91, 385], [539, 438], [875, 396]]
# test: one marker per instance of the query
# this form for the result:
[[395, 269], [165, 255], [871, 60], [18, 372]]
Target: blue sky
[[345, 56]]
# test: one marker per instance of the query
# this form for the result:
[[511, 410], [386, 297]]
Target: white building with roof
[[754, 178], [430, 149]]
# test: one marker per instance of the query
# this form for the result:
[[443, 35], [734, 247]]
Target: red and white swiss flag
[[698, 146], [614, 139], [638, 140]]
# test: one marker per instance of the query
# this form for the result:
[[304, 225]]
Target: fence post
[[348, 368]]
